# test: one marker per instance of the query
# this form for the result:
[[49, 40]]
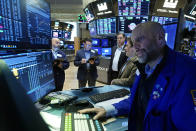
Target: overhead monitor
[[133, 7], [103, 8], [106, 26], [170, 34], [82, 19], [95, 42], [128, 23], [106, 51], [88, 11], [33, 71], [92, 28], [66, 35], [164, 20], [70, 47], [190, 25], [98, 49], [25, 24], [57, 33], [104, 42]]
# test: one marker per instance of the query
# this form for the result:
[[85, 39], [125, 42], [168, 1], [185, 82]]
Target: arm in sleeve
[[183, 111], [77, 61], [65, 62], [97, 61]]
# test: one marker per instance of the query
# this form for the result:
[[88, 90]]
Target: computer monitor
[[104, 42], [25, 24], [133, 7], [164, 20], [92, 28], [17, 110], [98, 49], [95, 42], [66, 35], [33, 71], [170, 34], [127, 24], [57, 34], [70, 47], [106, 51], [106, 26], [190, 25], [88, 11]]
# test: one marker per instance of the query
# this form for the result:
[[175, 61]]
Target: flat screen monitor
[[33, 71], [106, 51], [66, 35], [98, 49], [57, 33], [70, 47], [190, 25], [103, 8], [95, 42], [133, 7], [88, 11], [25, 24], [128, 23], [164, 20], [106, 26], [92, 28], [170, 34], [104, 42]]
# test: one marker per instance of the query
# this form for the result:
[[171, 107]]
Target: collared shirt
[[87, 56], [149, 70], [116, 58]]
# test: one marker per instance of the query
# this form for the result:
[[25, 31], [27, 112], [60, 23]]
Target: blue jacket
[[82, 70], [174, 109]]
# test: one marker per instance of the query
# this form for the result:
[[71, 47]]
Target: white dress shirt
[[116, 58]]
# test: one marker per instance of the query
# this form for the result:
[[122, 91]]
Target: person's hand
[[91, 62], [112, 82], [83, 61], [60, 65], [100, 112]]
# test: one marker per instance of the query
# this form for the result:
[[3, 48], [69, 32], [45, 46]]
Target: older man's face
[[145, 46]]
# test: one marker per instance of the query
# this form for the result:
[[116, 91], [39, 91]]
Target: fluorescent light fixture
[[193, 12], [190, 17], [167, 11], [161, 10], [170, 3], [102, 6]]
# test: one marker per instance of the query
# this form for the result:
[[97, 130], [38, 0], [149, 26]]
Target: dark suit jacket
[[126, 78], [82, 70], [59, 74], [122, 58]]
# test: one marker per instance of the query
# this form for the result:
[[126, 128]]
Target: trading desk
[[120, 124]]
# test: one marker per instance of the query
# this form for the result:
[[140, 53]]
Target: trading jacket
[[172, 105]]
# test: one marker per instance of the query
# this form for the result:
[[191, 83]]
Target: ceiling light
[[190, 17], [170, 3]]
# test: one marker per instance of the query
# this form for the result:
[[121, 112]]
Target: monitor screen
[[92, 28], [106, 26], [95, 42], [190, 25], [66, 35], [33, 71], [133, 7], [164, 20], [103, 8], [106, 52], [70, 47], [98, 49], [25, 24], [89, 12], [57, 33], [170, 34], [104, 42], [127, 24]]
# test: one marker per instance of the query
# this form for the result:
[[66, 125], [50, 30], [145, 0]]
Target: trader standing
[[118, 56], [60, 64], [87, 60]]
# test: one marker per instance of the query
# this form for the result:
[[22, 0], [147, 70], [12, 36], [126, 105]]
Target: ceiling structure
[[68, 10]]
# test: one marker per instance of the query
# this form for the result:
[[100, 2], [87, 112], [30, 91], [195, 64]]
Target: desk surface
[[120, 124]]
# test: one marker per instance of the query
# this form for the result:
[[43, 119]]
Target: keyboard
[[79, 122], [109, 95]]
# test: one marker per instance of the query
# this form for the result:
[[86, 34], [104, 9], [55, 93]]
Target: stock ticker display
[[24, 24]]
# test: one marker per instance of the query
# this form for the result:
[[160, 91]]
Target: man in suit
[[60, 64], [127, 72], [118, 57], [87, 60]]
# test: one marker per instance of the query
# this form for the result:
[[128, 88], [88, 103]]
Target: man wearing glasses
[[86, 60]]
